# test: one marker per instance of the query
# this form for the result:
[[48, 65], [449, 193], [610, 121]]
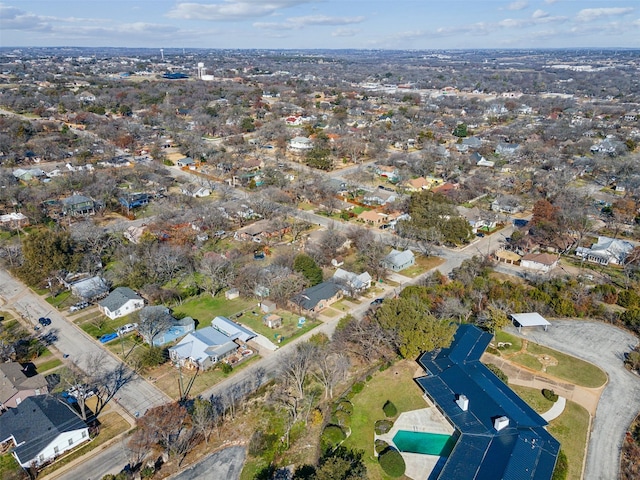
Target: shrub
[[389, 409], [562, 467], [549, 395], [226, 368], [384, 366], [261, 442], [382, 426], [369, 377], [499, 373], [344, 405], [392, 463], [332, 435], [381, 446], [357, 387], [152, 357]]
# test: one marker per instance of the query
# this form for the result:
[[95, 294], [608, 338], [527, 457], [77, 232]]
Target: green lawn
[[395, 384], [10, 468], [97, 324], [61, 300], [287, 331], [533, 397], [516, 342], [571, 368], [48, 365], [527, 360], [570, 429], [359, 209], [205, 307]]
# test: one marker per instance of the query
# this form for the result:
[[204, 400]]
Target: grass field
[[205, 308], [569, 368], [533, 397], [288, 331], [395, 384], [570, 429]]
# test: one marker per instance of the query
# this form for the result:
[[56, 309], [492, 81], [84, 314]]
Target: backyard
[[205, 308], [367, 408]]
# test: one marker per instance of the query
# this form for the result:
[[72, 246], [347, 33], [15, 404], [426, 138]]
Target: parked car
[[82, 390], [78, 306], [107, 337], [129, 327], [44, 321]]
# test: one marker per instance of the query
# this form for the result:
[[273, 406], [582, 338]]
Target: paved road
[[221, 465], [137, 396], [605, 346]]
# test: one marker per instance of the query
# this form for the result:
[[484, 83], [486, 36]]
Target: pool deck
[[429, 420]]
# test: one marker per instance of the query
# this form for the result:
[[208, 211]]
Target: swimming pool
[[424, 442]]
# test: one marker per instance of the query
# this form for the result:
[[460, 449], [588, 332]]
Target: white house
[[397, 260], [352, 283], [300, 144], [41, 428], [605, 251], [540, 262], [122, 301]]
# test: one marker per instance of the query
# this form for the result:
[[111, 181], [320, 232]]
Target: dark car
[[377, 301], [44, 321]]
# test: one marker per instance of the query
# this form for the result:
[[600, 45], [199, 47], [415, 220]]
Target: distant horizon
[[322, 24]]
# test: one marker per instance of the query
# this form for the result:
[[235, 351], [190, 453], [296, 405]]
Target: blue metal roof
[[522, 450]]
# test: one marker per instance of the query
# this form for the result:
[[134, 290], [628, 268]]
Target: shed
[[533, 319], [272, 320], [268, 306], [232, 293]]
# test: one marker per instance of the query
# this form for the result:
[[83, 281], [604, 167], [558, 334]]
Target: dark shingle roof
[[310, 297], [36, 422], [118, 298], [522, 450]]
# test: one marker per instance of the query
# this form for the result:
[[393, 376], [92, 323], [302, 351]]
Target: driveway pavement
[[605, 346]]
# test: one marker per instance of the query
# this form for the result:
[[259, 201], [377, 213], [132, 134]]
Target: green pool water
[[424, 442]]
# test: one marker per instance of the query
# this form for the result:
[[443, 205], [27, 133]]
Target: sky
[[327, 24]]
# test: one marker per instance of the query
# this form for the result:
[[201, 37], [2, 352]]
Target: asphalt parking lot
[[605, 346]]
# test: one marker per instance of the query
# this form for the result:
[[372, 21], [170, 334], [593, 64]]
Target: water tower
[[201, 70]]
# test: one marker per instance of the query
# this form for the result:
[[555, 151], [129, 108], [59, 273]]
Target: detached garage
[[529, 320]]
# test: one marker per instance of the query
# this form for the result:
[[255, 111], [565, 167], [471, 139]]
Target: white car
[[129, 327]]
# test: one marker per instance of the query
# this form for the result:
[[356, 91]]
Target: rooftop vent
[[500, 422], [463, 402]]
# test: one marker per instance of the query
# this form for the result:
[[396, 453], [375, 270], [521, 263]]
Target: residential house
[[300, 145], [134, 200], [605, 251], [371, 217], [351, 283], [135, 234], [506, 204], [178, 329], [13, 221], [78, 205], [16, 385], [387, 171], [610, 146], [186, 162], [379, 197], [196, 192], [204, 348], [398, 260], [497, 434], [28, 174], [317, 298], [90, 288], [480, 161], [507, 149], [540, 262], [417, 184], [41, 428], [122, 301], [260, 230], [477, 218]]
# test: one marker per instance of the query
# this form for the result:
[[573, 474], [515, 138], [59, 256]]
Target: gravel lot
[[605, 346]]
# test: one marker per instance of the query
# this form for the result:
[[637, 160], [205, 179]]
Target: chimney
[[500, 422], [463, 402]]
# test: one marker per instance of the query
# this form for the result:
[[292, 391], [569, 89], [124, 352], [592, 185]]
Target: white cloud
[[345, 32], [540, 14], [15, 19], [518, 5], [590, 14], [301, 22], [231, 10]]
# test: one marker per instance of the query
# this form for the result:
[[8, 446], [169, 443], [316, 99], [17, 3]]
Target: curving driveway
[[605, 346]]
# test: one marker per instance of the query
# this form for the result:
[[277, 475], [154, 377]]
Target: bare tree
[[153, 320], [330, 369], [204, 418], [295, 367]]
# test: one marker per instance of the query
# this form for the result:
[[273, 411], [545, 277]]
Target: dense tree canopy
[[45, 253]]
